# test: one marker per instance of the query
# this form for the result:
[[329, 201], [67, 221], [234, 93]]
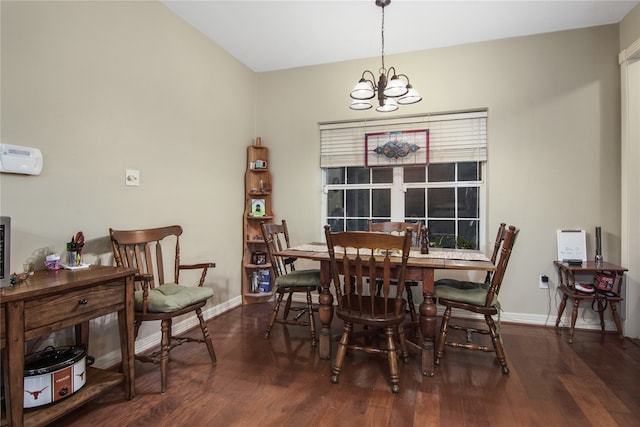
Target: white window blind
[[453, 137]]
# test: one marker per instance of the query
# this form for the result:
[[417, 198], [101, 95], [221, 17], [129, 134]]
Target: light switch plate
[[132, 177]]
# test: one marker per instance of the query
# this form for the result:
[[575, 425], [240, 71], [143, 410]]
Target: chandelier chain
[[383, 69]]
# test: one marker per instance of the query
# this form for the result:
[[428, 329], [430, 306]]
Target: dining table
[[420, 267]]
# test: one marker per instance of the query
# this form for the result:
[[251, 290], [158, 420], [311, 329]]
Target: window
[[448, 194], [448, 197]]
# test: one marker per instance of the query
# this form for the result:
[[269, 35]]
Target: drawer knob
[[83, 301]]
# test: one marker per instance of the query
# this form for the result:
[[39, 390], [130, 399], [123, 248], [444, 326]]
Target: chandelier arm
[[401, 75], [372, 80]]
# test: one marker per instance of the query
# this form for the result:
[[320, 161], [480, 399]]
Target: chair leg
[[342, 351], [205, 336], [312, 324], [404, 350], [497, 344], [392, 356], [136, 328], [443, 334], [164, 356], [287, 306], [274, 314], [412, 307]]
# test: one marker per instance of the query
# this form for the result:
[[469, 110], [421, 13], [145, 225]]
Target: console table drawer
[[71, 307]]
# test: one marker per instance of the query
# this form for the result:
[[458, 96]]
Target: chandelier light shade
[[391, 91]]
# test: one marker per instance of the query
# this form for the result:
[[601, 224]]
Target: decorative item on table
[[257, 207], [605, 282], [599, 257], [74, 250], [424, 240], [16, 278], [52, 262], [585, 288]]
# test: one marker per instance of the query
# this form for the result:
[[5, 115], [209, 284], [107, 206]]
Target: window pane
[[441, 202], [358, 203], [414, 203], [335, 176], [335, 203], [357, 176], [468, 171], [382, 175], [468, 202], [441, 234], [468, 235], [357, 225], [415, 174], [381, 205], [336, 224], [442, 172]]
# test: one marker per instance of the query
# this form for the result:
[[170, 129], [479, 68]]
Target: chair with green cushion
[[480, 298], [157, 298], [288, 280]]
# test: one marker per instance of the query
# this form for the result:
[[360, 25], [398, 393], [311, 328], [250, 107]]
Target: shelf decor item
[[257, 207]]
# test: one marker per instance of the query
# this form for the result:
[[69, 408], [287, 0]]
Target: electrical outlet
[[544, 282]]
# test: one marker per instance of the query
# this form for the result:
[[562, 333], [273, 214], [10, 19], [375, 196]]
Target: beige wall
[[100, 87], [554, 139], [630, 28]]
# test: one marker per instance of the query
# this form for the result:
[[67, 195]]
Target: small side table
[[566, 282]]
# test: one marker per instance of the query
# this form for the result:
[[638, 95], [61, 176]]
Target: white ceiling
[[268, 35]]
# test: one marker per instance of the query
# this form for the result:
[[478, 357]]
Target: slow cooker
[[53, 374]]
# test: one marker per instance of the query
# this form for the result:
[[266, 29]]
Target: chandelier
[[391, 91]]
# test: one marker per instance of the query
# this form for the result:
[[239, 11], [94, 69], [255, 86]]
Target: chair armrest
[[144, 279], [205, 266]]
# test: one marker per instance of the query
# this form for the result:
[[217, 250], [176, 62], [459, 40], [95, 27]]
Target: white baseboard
[[544, 320], [153, 339]]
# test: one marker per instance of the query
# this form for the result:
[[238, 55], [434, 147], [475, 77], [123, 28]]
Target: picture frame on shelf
[[257, 207]]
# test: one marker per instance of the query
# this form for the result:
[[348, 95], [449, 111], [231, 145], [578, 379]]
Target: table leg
[[126, 320], [563, 304], [14, 380], [574, 317], [616, 318], [601, 308], [325, 311], [428, 322]]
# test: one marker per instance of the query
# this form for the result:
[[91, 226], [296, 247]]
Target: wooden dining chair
[[497, 244], [157, 298], [288, 281], [363, 258], [399, 228], [480, 298]]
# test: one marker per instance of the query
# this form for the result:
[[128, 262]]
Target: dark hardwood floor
[[281, 382]]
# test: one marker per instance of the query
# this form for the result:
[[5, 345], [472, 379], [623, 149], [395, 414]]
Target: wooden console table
[[566, 283], [52, 300]]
